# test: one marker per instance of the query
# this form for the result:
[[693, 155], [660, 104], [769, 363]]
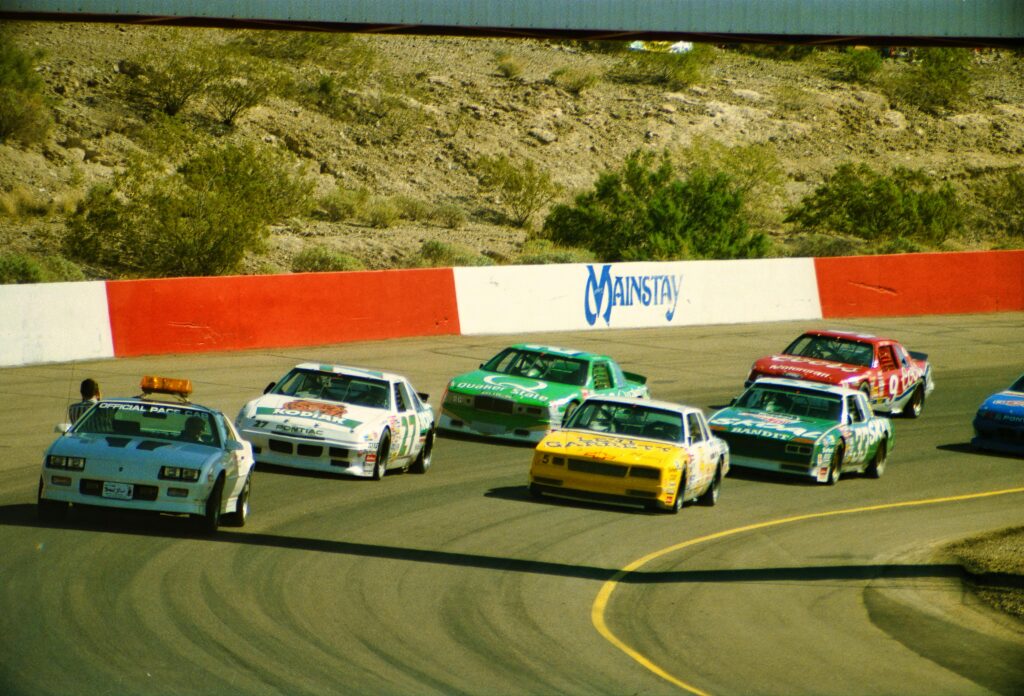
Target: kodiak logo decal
[[605, 291]]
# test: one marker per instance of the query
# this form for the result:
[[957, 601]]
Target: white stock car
[[157, 452], [345, 420]]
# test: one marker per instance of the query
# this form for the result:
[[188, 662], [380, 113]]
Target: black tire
[[877, 466], [49, 510], [380, 467], [916, 406], [210, 521], [241, 513], [835, 467], [535, 491], [710, 496], [422, 463]]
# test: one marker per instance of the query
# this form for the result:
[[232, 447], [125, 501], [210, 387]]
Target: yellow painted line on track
[[597, 610]]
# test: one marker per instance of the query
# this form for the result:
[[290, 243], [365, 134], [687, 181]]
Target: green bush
[[544, 251], [669, 70], [24, 116], [939, 79], [508, 65], [777, 51], [435, 254], [19, 268], [1002, 201], [450, 216], [855, 200], [645, 212], [320, 259], [858, 64], [575, 80], [167, 83], [380, 212], [241, 86], [199, 220], [522, 188]]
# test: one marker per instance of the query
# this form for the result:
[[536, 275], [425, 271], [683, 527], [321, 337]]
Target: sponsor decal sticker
[[604, 292]]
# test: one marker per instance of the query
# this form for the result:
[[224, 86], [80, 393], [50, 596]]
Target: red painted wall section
[[913, 284], [193, 315]]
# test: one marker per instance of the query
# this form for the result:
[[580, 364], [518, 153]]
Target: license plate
[[120, 491]]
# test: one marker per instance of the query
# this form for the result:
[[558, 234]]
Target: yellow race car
[[634, 451]]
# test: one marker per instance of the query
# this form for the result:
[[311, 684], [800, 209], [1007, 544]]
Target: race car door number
[[120, 491]]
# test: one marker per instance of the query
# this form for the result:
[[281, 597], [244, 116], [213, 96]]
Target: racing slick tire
[[535, 491], [877, 466], [916, 406], [241, 513], [210, 521], [710, 497], [422, 463], [50, 510], [835, 466], [380, 467]]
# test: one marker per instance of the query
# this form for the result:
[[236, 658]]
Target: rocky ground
[[463, 98]]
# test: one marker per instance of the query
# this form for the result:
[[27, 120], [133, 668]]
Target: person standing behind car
[[90, 390]]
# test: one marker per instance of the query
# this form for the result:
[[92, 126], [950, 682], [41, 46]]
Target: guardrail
[[62, 322]]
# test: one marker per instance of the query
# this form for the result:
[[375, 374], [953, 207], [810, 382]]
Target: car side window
[[401, 398], [885, 358], [693, 425], [853, 411], [602, 376]]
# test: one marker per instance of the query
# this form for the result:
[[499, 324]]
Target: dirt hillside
[[463, 98]]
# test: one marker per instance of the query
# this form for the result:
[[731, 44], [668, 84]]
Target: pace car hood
[[796, 367], [535, 392], [141, 449], [1006, 407], [775, 426], [624, 450], [316, 416]]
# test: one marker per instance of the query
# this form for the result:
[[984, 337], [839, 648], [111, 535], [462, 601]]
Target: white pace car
[[345, 420], [157, 452]]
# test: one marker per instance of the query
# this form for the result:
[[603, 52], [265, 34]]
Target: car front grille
[[743, 445], [491, 403], [139, 491]]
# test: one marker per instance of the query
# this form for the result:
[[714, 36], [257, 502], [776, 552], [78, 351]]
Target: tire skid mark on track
[[597, 613]]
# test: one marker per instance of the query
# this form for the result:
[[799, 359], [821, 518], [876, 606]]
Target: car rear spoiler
[[634, 377], [918, 356]]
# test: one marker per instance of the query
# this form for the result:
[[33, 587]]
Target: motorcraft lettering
[[605, 291]]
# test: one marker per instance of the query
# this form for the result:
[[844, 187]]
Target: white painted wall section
[[511, 299], [54, 322]]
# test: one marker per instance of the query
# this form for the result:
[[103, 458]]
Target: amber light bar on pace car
[[166, 385]]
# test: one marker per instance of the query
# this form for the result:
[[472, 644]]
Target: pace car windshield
[[833, 349], [330, 386], [791, 402], [627, 419], [151, 421], [538, 365]]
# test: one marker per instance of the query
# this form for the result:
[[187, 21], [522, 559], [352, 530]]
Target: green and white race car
[[525, 391], [797, 427]]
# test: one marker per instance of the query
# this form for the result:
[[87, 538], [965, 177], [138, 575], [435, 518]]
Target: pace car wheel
[[877, 466], [49, 510], [241, 513], [383, 449], [422, 463], [210, 521], [710, 496], [835, 467], [916, 406]]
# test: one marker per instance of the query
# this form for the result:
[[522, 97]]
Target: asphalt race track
[[456, 582]]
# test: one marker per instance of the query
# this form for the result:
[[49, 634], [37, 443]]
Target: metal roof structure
[[827, 22]]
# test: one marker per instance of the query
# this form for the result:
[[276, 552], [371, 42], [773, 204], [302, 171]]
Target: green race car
[[525, 391], [805, 428]]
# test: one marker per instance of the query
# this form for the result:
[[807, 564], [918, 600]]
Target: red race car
[[896, 380]]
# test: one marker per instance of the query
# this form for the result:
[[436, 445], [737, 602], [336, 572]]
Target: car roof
[[847, 335], [649, 403], [153, 401], [555, 350], [805, 385], [348, 371]]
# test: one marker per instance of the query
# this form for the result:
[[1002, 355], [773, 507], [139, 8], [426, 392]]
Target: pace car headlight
[[179, 473], [56, 461]]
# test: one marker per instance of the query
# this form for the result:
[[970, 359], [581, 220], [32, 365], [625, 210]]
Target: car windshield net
[[628, 419], [792, 402], [330, 386], [539, 365], [150, 420], [833, 349], [1018, 386]]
